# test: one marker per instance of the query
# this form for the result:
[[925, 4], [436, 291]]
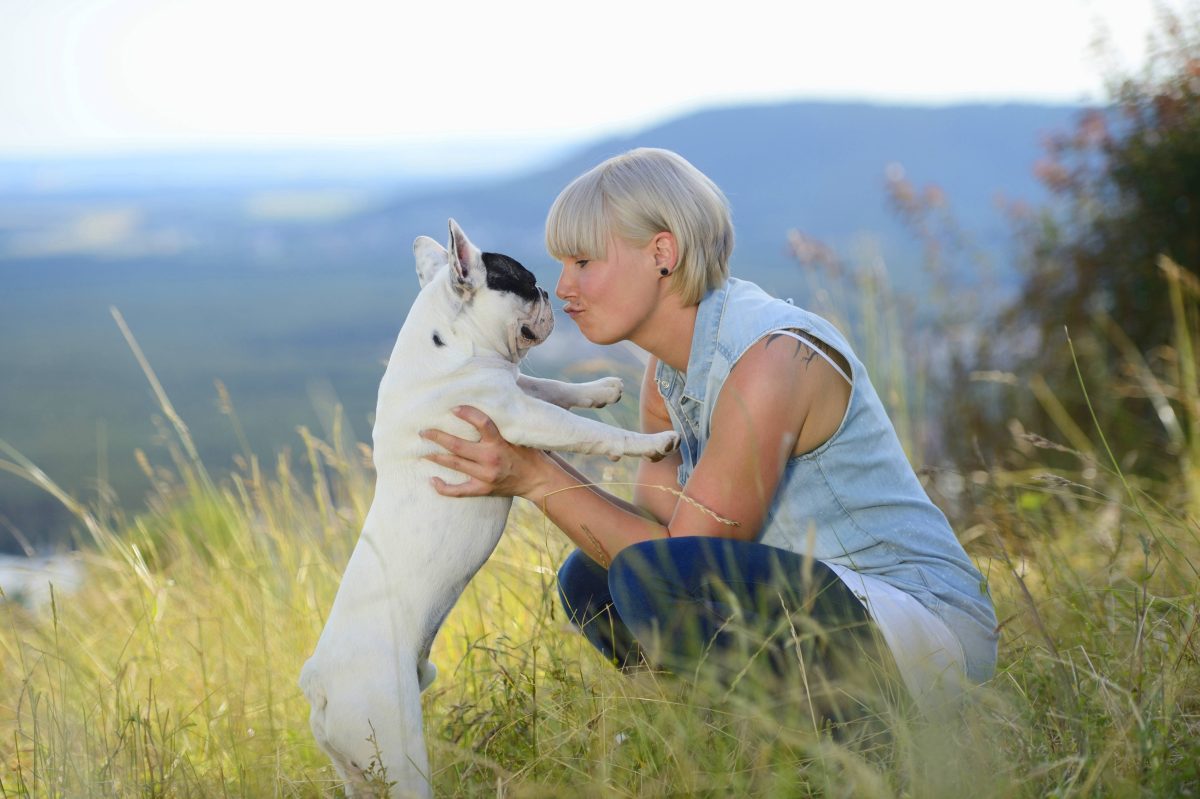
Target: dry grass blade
[[164, 401]]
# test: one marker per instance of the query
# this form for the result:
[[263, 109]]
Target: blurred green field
[[289, 346]]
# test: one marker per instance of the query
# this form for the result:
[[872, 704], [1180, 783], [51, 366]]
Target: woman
[[790, 509]]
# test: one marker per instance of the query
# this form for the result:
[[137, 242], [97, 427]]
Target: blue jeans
[[718, 606]]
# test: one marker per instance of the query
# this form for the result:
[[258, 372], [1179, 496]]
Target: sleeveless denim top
[[857, 492]]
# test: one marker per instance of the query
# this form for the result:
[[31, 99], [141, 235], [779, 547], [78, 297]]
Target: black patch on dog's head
[[506, 274], [437, 340]]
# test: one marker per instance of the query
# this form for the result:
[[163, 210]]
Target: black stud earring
[[664, 272]]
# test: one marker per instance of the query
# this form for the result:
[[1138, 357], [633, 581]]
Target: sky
[[95, 76]]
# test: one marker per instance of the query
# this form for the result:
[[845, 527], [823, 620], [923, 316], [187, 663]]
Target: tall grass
[[172, 672]]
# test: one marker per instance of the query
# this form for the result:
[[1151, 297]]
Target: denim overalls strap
[[855, 500]]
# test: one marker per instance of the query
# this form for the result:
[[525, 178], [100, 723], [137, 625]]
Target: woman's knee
[[638, 568], [651, 580], [582, 586], [672, 566]]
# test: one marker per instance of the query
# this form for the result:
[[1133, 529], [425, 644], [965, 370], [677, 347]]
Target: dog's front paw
[[605, 391], [663, 445]]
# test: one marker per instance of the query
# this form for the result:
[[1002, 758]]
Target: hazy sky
[[89, 75]]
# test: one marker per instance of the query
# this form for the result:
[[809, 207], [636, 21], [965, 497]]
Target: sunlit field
[[172, 671]]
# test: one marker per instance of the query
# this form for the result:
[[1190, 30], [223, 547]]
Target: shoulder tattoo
[[803, 350]]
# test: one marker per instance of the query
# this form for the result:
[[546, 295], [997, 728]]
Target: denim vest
[[857, 492]]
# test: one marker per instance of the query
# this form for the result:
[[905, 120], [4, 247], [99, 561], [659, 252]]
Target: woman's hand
[[496, 468]]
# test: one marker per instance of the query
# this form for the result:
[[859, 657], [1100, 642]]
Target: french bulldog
[[476, 316]]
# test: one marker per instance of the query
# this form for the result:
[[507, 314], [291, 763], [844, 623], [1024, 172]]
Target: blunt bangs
[[577, 225]]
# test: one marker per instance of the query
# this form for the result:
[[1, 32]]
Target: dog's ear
[[431, 258], [466, 262]]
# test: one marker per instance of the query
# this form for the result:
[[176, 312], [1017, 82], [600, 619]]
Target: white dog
[[474, 319]]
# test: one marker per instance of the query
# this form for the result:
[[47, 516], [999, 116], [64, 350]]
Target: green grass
[[172, 672]]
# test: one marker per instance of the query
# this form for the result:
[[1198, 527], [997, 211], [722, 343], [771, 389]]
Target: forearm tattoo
[[601, 555]]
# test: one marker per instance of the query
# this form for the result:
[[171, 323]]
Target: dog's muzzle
[[537, 328]]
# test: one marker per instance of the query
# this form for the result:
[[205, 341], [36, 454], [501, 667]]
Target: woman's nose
[[565, 286]]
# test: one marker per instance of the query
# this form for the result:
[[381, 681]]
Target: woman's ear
[[666, 252]]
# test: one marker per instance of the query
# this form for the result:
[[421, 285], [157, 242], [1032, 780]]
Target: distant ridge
[[398, 166], [816, 166]]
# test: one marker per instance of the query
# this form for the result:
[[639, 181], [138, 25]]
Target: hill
[[817, 167], [290, 288]]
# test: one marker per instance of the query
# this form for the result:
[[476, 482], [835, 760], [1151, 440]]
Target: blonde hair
[[637, 195]]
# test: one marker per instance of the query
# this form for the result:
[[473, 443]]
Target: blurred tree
[[1126, 182], [1130, 179]]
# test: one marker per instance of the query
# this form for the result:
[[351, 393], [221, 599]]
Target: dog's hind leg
[[313, 685], [370, 724]]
